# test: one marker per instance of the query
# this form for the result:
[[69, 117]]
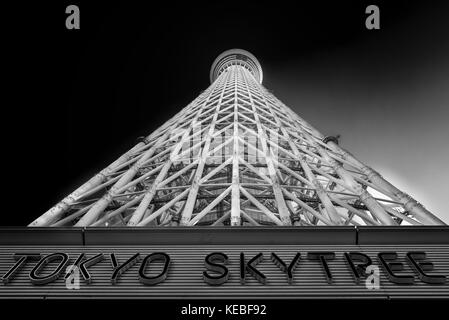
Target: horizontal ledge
[[41, 236], [326, 235], [221, 235], [403, 235]]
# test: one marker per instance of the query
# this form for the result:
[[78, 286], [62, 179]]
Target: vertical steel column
[[235, 192]]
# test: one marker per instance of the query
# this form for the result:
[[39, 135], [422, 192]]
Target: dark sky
[[75, 100]]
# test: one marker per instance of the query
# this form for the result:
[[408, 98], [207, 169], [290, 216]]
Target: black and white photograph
[[221, 160]]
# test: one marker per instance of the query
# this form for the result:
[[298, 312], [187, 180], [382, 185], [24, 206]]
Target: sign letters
[[48, 268]]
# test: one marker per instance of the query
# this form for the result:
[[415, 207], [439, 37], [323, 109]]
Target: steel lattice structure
[[236, 156]]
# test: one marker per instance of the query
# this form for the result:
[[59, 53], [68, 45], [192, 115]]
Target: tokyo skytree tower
[[236, 156]]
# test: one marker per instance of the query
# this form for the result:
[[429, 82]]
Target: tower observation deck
[[236, 156]]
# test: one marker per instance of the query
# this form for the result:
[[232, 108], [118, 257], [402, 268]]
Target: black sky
[[74, 100]]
